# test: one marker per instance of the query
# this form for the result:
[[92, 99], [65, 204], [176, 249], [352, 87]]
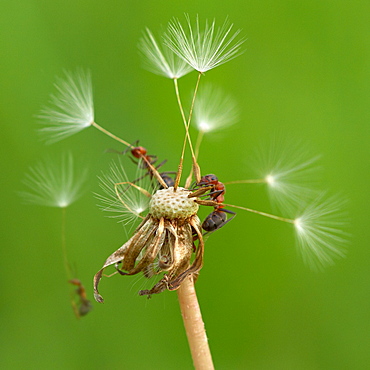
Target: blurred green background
[[305, 73]]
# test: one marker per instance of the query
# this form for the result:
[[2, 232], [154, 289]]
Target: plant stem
[[194, 326]]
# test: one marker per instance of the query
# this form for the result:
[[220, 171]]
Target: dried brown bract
[[163, 243]]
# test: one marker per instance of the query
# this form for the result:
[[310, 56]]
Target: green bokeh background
[[305, 74]]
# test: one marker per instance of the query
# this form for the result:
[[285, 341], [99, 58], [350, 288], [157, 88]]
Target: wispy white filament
[[203, 48], [214, 110], [131, 203], [54, 183], [290, 172], [160, 60], [71, 108], [319, 232]]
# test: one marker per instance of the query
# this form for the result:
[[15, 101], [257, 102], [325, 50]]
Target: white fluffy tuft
[[71, 108], [159, 59], [203, 48], [214, 110], [319, 232], [54, 183]]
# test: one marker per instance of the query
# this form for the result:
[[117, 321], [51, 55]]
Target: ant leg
[[147, 173], [153, 159], [233, 214], [133, 161]]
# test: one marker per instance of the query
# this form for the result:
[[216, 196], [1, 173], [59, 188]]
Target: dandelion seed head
[[161, 60], [71, 108], [54, 183], [172, 204], [320, 237], [203, 48], [214, 110]]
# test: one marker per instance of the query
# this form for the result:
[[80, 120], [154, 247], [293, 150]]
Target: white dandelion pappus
[[161, 60], [214, 110], [319, 236], [71, 108], [54, 184], [203, 49], [290, 172], [130, 203]]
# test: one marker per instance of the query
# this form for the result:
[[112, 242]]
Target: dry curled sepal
[[116, 257], [159, 245], [182, 251], [198, 261]]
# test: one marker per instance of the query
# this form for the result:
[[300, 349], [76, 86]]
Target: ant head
[[138, 151], [208, 180]]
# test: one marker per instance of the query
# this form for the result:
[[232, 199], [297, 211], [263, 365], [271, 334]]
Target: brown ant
[[147, 163], [216, 219], [84, 306]]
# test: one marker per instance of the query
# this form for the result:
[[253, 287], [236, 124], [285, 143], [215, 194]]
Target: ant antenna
[[196, 168]]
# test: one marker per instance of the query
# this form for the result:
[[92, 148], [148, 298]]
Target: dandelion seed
[[214, 110], [131, 203], [54, 184], [203, 49], [159, 59], [319, 235], [289, 171], [71, 108]]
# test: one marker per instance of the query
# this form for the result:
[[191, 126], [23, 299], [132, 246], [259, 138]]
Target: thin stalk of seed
[[197, 147], [196, 168], [67, 266], [102, 129], [194, 325], [251, 181], [290, 221]]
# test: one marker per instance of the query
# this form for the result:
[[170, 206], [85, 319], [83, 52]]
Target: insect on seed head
[[171, 204]]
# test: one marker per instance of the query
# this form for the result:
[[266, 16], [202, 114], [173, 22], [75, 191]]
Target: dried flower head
[[214, 110], [161, 60], [71, 108], [203, 48], [54, 183], [163, 242]]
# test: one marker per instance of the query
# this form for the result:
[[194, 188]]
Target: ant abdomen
[[214, 221]]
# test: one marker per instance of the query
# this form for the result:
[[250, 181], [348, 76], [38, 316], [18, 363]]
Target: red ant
[[85, 305], [216, 219], [148, 162]]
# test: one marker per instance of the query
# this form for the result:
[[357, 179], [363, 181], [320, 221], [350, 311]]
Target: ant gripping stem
[[149, 160], [145, 158], [216, 219]]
